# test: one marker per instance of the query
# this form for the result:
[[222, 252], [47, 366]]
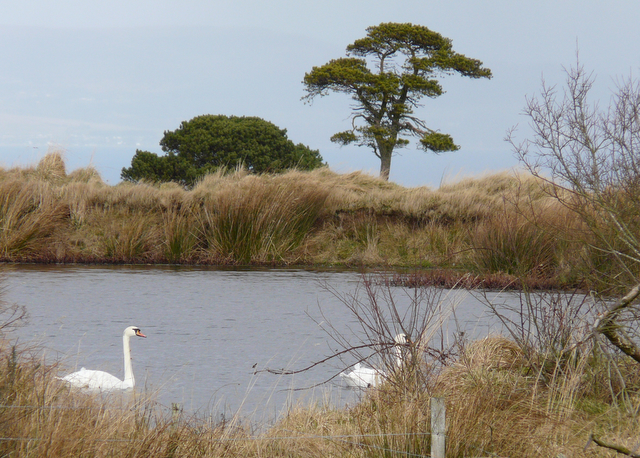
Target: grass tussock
[[259, 219], [30, 217]]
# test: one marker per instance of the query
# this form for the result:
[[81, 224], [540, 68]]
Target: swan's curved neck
[[128, 366], [399, 356]]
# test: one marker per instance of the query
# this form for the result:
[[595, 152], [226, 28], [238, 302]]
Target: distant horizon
[[75, 158], [102, 80]]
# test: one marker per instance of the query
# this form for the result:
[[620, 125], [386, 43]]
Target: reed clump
[[31, 218], [259, 219]]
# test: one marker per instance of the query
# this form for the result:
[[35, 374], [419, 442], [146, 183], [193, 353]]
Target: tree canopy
[[405, 60], [207, 142]]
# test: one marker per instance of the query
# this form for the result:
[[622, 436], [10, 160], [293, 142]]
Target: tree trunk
[[611, 329], [385, 162]]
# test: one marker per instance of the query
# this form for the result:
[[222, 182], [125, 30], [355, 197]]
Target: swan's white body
[[102, 381], [362, 377], [366, 377]]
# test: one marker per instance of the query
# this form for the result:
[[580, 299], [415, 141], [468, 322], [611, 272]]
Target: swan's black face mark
[[139, 333]]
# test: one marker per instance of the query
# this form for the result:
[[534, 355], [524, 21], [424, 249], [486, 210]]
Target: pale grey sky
[[103, 78]]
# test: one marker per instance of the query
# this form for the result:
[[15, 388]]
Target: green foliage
[[208, 142], [405, 58], [344, 138], [151, 167], [438, 142]]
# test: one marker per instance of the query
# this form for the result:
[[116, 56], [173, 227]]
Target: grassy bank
[[504, 223]]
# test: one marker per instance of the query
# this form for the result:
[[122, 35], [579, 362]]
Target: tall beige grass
[[260, 219], [30, 216], [180, 236], [52, 167]]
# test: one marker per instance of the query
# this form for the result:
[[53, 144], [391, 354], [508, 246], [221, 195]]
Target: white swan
[[362, 377], [366, 377], [103, 381]]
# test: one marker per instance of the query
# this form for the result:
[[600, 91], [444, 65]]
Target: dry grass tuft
[[85, 175], [30, 216], [51, 167], [492, 353], [495, 406], [260, 219]]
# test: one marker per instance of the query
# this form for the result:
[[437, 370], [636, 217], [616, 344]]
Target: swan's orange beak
[[139, 333]]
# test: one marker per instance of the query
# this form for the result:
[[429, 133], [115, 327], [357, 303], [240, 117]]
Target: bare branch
[[610, 329], [322, 361], [617, 448]]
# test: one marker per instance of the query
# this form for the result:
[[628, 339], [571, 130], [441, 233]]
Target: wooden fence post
[[176, 412], [438, 429]]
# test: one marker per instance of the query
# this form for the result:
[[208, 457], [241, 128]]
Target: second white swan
[[366, 377], [102, 381]]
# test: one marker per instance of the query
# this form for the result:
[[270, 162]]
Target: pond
[[209, 331]]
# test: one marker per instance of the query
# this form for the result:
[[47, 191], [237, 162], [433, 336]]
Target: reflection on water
[[208, 330]]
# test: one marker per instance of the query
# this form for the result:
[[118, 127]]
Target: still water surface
[[208, 330]]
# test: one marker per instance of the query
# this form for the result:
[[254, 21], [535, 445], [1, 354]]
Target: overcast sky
[[101, 79]]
